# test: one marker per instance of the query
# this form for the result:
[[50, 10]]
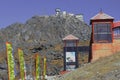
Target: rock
[[41, 34]]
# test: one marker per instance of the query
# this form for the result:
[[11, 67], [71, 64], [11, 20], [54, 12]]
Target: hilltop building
[[58, 11], [65, 14], [79, 16]]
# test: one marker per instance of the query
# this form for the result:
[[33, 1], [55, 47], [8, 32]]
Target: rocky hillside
[[43, 35], [103, 69]]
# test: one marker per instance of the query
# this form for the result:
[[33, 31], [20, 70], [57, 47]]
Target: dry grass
[[57, 62], [84, 43], [2, 57], [100, 67], [58, 47]]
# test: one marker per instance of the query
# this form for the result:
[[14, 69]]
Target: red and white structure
[[116, 30], [105, 36]]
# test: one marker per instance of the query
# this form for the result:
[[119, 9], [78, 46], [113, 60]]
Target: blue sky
[[12, 11]]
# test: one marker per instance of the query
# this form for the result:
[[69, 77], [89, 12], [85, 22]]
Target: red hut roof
[[116, 24], [70, 37], [102, 16]]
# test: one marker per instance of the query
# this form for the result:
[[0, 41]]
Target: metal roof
[[101, 15], [116, 24], [70, 37]]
